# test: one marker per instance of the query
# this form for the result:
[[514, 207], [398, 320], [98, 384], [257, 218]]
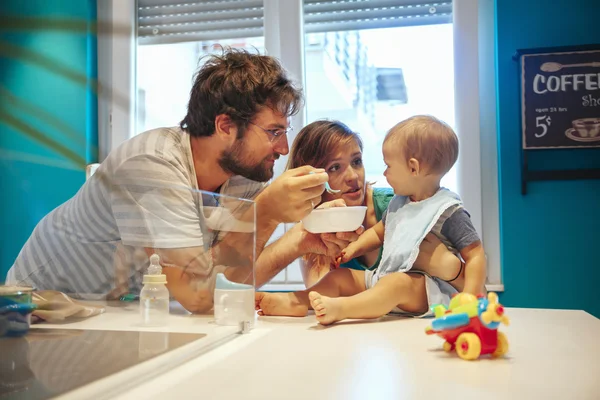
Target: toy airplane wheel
[[502, 347], [468, 346], [448, 347]]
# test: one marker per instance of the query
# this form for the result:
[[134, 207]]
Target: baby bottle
[[154, 297]]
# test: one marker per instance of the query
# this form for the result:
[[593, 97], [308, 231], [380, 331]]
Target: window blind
[[172, 21], [344, 15]]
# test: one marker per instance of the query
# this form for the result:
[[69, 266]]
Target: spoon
[[327, 187], [330, 190], [554, 66]]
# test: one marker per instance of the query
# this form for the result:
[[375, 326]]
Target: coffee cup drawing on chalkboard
[[584, 130]]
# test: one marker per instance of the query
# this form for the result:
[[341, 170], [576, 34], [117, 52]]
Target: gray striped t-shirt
[[143, 195]]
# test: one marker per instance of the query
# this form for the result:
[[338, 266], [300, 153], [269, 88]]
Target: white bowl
[[334, 219]]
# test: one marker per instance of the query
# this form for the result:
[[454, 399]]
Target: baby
[[418, 152]]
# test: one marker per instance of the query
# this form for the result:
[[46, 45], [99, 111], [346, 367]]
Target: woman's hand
[[327, 244], [335, 242], [321, 250]]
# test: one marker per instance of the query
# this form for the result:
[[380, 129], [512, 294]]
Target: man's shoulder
[[167, 144], [160, 141], [241, 187]]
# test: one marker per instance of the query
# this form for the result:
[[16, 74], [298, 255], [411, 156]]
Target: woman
[[336, 148]]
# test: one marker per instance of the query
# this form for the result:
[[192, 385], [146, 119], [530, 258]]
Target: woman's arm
[[314, 267]]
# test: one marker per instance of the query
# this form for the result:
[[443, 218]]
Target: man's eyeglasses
[[274, 134]]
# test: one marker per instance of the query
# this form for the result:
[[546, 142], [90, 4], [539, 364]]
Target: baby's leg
[[458, 282], [340, 282], [406, 291], [435, 259]]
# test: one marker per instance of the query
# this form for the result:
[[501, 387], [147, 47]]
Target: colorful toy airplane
[[470, 326]]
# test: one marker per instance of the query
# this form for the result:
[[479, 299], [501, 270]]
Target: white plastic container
[[234, 303], [154, 297]]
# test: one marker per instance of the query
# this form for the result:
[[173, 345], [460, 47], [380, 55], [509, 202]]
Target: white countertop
[[121, 316], [553, 354]]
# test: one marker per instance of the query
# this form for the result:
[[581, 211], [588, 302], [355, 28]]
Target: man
[[143, 197]]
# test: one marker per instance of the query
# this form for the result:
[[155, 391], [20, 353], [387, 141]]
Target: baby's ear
[[414, 167]]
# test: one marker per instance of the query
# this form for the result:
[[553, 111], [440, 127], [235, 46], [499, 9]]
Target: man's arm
[[278, 255], [190, 280], [191, 271], [297, 242], [288, 199], [190, 276]]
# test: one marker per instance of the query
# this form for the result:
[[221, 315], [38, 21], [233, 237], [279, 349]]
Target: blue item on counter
[[14, 317]]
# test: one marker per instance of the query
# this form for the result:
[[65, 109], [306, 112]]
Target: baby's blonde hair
[[427, 139]]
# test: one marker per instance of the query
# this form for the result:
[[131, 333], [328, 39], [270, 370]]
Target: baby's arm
[[370, 240], [459, 231], [475, 268]]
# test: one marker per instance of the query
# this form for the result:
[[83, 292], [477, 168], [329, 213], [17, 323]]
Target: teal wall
[[550, 237], [45, 71]]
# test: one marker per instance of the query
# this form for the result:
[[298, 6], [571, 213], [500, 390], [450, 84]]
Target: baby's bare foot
[[327, 309], [283, 304]]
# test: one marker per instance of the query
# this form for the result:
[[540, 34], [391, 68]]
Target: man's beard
[[236, 162]]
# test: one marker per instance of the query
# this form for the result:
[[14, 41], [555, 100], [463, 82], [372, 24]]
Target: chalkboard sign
[[560, 99]]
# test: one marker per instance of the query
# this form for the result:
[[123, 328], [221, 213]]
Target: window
[[372, 79], [175, 36], [387, 60], [162, 100], [355, 77]]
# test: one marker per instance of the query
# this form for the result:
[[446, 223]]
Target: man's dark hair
[[238, 83]]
